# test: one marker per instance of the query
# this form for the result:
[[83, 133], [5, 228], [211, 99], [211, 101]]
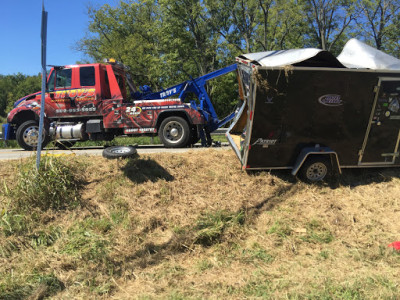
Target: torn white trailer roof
[[355, 54]]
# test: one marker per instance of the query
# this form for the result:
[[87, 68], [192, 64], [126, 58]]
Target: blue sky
[[20, 33]]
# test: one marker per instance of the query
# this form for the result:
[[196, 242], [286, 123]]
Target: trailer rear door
[[239, 133], [381, 142]]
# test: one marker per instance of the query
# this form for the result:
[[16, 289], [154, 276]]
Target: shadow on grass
[[142, 170], [358, 177], [280, 195], [349, 177]]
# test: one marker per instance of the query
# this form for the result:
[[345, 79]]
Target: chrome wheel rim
[[173, 132], [121, 150], [317, 171], [31, 136]]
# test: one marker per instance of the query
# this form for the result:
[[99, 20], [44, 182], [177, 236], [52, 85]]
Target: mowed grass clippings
[[193, 225]]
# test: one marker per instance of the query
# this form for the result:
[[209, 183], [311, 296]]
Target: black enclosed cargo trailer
[[305, 110]]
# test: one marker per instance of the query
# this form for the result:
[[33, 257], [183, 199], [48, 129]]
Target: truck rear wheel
[[28, 135], [174, 132], [315, 169]]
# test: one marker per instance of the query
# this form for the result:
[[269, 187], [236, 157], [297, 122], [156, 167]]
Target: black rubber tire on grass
[[119, 152], [25, 135]]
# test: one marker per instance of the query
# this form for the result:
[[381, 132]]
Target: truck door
[[59, 84], [381, 142]]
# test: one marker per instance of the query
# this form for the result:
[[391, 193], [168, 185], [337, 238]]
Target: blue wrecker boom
[[198, 87]]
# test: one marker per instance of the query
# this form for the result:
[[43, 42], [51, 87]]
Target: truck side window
[[106, 86], [50, 84], [63, 78], [120, 81], [87, 77]]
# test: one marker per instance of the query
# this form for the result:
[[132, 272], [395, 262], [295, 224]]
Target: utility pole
[[43, 36]]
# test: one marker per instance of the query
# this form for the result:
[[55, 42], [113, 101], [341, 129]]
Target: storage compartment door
[[381, 141]]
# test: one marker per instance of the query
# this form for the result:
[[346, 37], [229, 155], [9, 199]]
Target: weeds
[[211, 226], [56, 186], [203, 265], [36, 286], [45, 238], [259, 289], [12, 223], [256, 254], [316, 233], [282, 230], [48, 285], [86, 245]]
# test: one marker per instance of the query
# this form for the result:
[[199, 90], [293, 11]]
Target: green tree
[[14, 87], [280, 25], [379, 25], [329, 21]]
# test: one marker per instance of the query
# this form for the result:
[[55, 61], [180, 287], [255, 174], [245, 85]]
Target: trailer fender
[[307, 151]]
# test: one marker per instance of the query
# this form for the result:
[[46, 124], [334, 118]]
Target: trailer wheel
[[28, 135], [174, 132], [119, 152], [315, 169]]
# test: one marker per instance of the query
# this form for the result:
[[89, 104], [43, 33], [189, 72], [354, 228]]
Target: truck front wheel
[[174, 132], [28, 135]]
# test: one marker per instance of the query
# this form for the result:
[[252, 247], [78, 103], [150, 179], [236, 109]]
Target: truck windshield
[[63, 78]]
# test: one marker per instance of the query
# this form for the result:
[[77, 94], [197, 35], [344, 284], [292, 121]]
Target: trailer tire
[[119, 152], [315, 169], [174, 132], [27, 135]]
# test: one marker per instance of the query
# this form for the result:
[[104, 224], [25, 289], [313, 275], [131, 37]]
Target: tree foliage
[[168, 41], [329, 21], [14, 87], [380, 24]]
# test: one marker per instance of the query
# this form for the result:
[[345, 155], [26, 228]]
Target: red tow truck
[[99, 102]]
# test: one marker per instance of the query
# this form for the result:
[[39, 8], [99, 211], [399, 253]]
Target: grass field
[[194, 226]]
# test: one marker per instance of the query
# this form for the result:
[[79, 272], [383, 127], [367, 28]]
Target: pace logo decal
[[264, 142], [331, 100], [133, 111]]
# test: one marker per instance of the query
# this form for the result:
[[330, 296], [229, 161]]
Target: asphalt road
[[7, 154]]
